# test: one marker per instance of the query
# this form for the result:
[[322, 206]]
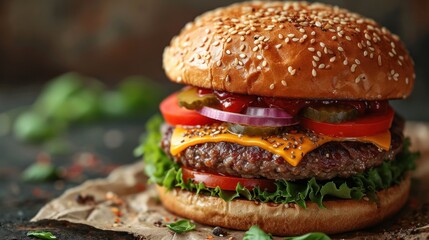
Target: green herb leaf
[[39, 172], [181, 226], [255, 233], [32, 127], [310, 236], [41, 235]]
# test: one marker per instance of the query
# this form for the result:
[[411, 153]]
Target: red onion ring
[[275, 118], [267, 112]]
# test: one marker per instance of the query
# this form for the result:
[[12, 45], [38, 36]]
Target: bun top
[[292, 50]]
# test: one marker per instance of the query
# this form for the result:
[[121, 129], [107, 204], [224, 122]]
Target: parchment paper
[[123, 201]]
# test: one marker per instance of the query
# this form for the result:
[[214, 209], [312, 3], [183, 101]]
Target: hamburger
[[284, 121]]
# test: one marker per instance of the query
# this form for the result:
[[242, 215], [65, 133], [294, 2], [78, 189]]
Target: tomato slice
[[227, 183], [368, 125], [176, 115]]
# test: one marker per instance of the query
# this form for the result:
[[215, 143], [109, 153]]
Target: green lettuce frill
[[163, 171]]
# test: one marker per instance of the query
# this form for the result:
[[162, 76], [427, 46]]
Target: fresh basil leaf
[[39, 172], [255, 233], [310, 236], [41, 235], [181, 226]]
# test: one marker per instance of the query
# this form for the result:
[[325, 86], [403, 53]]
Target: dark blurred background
[[110, 39]]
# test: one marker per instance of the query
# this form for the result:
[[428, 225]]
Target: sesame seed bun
[[284, 219], [292, 50]]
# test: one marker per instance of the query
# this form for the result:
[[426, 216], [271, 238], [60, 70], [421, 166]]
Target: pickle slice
[[190, 99], [253, 130], [332, 113]]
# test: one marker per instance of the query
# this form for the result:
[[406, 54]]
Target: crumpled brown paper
[[122, 202]]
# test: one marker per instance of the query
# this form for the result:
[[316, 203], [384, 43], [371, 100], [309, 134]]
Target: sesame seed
[[379, 60], [264, 63], [311, 49], [332, 59], [359, 78], [348, 38], [228, 40], [280, 36], [334, 37], [340, 49], [278, 46], [357, 61], [367, 36], [322, 44], [316, 58], [228, 52], [302, 30], [365, 53], [227, 78], [318, 24], [319, 54], [345, 62], [289, 69], [255, 49], [313, 33], [259, 57], [325, 50], [242, 55], [242, 38], [216, 43], [391, 54], [295, 39], [407, 81], [314, 63], [242, 47], [218, 63], [322, 66], [353, 68], [291, 35], [313, 72], [287, 40], [312, 41], [399, 63], [284, 83], [272, 86]]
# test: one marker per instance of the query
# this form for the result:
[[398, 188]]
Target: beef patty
[[332, 159]]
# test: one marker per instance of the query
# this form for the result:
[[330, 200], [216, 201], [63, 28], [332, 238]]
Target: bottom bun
[[286, 219]]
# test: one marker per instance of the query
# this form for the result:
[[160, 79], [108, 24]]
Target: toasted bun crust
[[280, 219], [292, 50]]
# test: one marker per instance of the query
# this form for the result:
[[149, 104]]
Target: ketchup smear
[[237, 103]]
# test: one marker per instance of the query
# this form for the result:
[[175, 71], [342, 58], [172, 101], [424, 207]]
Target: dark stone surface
[[87, 156], [20, 201]]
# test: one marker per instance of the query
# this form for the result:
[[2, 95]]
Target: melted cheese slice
[[291, 146]]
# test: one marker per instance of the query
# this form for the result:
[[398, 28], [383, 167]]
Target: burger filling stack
[[284, 121]]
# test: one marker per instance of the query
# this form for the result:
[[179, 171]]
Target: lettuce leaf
[[165, 172]]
